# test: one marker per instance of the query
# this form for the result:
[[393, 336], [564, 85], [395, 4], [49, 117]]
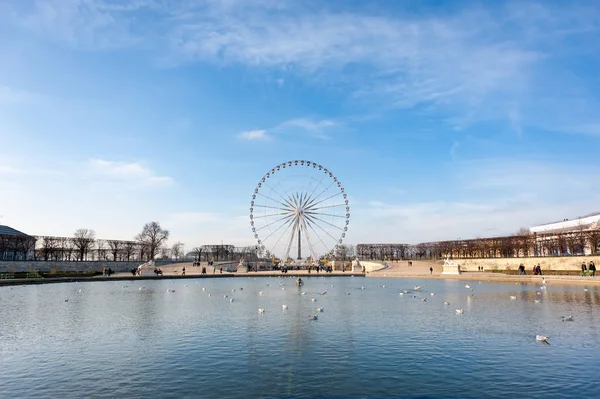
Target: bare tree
[[129, 249], [177, 250], [594, 240], [151, 238], [83, 239], [115, 247]]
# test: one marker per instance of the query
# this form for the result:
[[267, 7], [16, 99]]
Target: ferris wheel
[[299, 210]]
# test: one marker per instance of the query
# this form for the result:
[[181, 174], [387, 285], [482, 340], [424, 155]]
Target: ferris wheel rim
[[302, 212]]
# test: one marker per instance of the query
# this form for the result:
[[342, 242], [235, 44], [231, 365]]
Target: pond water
[[138, 339]]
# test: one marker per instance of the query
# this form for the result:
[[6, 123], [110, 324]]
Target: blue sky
[[443, 119]]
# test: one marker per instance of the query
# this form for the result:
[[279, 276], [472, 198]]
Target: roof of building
[[9, 231]]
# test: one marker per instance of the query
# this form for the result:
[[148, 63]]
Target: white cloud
[[133, 172], [254, 135], [471, 63]]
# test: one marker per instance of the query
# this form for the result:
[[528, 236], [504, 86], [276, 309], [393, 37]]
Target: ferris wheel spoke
[[270, 207], [325, 199], [272, 199], [284, 219], [326, 222], [288, 222], [321, 193], [271, 214], [325, 214], [322, 229], [317, 186], [275, 191], [327, 206]]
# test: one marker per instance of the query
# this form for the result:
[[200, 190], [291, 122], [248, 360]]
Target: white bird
[[362, 288], [405, 291], [401, 293], [513, 297], [231, 300], [542, 338], [203, 289], [170, 290], [313, 299], [383, 286], [432, 294], [260, 292], [283, 289], [467, 286], [446, 303], [567, 318], [320, 310], [537, 301], [303, 293], [347, 293], [423, 299], [538, 293], [261, 310], [80, 290], [331, 285], [585, 290], [323, 293], [417, 287], [460, 311], [284, 307], [313, 317], [224, 296], [209, 295], [141, 288]]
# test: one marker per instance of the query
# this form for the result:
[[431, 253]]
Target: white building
[[551, 231]]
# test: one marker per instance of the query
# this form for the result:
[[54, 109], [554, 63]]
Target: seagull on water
[[513, 297], [261, 310], [401, 293], [423, 299], [231, 300], [446, 303], [542, 339], [313, 299], [260, 292], [417, 287], [460, 311], [537, 301], [467, 286], [567, 318], [313, 317], [320, 310], [432, 294], [284, 307], [303, 293]]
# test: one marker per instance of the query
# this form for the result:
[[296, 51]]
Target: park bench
[[6, 276]]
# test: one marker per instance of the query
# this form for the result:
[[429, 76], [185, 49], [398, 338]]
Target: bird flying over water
[[543, 339]]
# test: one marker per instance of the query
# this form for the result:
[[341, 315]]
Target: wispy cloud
[[254, 135], [134, 172], [300, 127], [471, 63]]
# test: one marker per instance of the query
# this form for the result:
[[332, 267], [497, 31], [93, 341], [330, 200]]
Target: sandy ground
[[419, 269]]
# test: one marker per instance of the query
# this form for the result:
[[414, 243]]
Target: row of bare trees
[[225, 252], [84, 245], [523, 244]]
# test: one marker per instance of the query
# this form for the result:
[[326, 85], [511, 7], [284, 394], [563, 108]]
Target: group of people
[[107, 271], [537, 269], [591, 268]]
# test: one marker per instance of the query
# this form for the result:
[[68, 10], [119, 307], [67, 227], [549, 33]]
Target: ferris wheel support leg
[[299, 245]]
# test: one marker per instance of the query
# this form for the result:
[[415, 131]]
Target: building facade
[[16, 245]]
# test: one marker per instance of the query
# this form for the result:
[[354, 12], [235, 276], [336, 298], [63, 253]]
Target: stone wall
[[546, 263], [24, 266]]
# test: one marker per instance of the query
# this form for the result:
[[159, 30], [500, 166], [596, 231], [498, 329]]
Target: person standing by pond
[[522, 269], [592, 268], [183, 271], [538, 270], [583, 269]]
